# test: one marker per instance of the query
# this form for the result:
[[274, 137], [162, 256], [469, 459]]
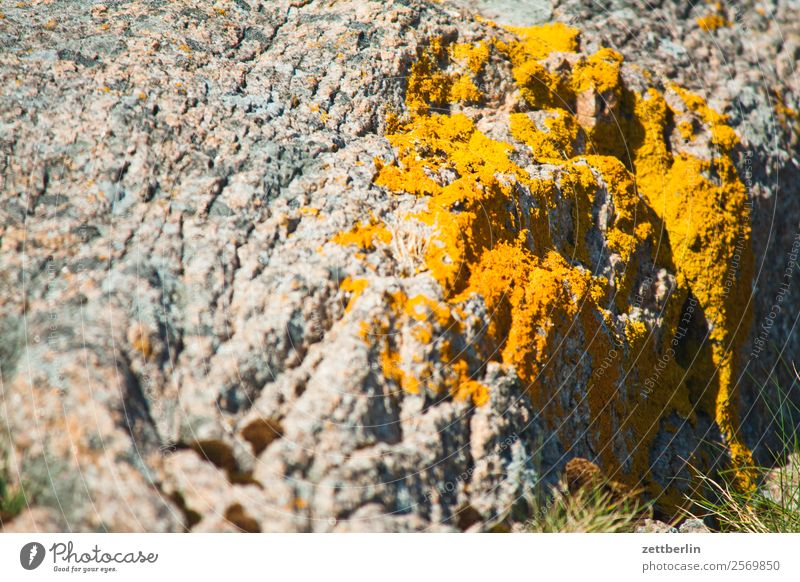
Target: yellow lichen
[[599, 72], [493, 239], [355, 287], [472, 390], [555, 143], [711, 22], [364, 235], [406, 368], [721, 134], [705, 209], [787, 116], [537, 42], [714, 19], [473, 56], [686, 130], [463, 90]]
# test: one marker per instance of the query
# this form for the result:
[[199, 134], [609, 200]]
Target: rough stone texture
[[782, 484], [688, 526], [511, 12], [176, 351], [655, 526], [747, 70], [693, 526]]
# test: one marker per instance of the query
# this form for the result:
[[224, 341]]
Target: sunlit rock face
[[387, 266]]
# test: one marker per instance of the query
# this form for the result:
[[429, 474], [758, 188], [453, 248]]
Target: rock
[[511, 12], [252, 281], [780, 484], [688, 526], [655, 526], [36, 519], [693, 526], [580, 473], [739, 65]]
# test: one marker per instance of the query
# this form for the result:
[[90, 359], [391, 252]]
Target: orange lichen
[[430, 87], [714, 19], [405, 367], [463, 90], [721, 134], [531, 299], [355, 287], [599, 72], [686, 130], [553, 143], [472, 390], [711, 22], [365, 235], [473, 56], [786, 115], [537, 42], [142, 346], [609, 163], [422, 308], [705, 209]]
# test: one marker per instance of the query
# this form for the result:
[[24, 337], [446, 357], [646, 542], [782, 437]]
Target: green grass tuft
[[591, 509], [774, 506], [12, 499]]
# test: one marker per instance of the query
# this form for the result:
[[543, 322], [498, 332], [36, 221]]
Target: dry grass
[[588, 512], [586, 502], [409, 245], [774, 506]]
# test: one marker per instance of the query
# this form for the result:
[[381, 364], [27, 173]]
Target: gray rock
[[693, 526], [511, 12], [655, 526], [177, 350]]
